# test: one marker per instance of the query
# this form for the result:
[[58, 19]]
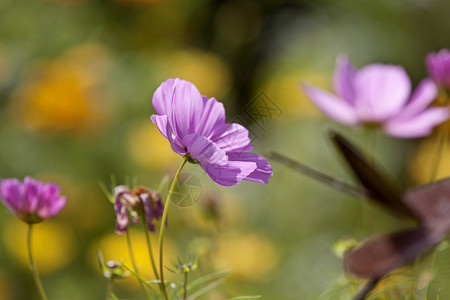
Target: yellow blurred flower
[[148, 148], [53, 244], [206, 70], [424, 159], [64, 94], [114, 247], [248, 256], [285, 90]]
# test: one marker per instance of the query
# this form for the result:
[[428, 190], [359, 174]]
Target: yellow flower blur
[[63, 95], [114, 247], [53, 244], [149, 149], [248, 256], [285, 90], [423, 161], [205, 70]]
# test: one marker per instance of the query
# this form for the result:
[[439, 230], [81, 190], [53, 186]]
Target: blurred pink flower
[[141, 201], [195, 127], [379, 95], [32, 201], [438, 65]]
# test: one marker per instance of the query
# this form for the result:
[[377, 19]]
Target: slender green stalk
[[370, 145], [149, 246], [109, 289], [162, 227], [133, 261], [185, 285], [37, 280]]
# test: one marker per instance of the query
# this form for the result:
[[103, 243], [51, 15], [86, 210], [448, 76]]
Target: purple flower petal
[[231, 173], [424, 94], [204, 150], [58, 204], [381, 91], [161, 123], [438, 65], [213, 116], [187, 108], [263, 170], [334, 107], [50, 202], [31, 196], [122, 219], [11, 193], [419, 125], [343, 79], [175, 142], [32, 201], [163, 97], [195, 126], [232, 137]]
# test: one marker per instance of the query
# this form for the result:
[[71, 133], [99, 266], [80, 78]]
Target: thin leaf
[[207, 288], [322, 177], [245, 297], [107, 192], [380, 187], [201, 280], [138, 277]]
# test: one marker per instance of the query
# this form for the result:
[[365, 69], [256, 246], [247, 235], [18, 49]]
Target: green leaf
[[207, 288], [201, 280]]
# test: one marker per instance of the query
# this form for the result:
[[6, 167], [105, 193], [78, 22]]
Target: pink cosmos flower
[[195, 127], [32, 201], [438, 65], [379, 95]]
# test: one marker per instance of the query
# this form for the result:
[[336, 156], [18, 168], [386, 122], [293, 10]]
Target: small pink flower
[[141, 201], [32, 201], [438, 65], [379, 95]]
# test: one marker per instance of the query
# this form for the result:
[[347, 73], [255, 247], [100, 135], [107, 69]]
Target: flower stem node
[[189, 158]]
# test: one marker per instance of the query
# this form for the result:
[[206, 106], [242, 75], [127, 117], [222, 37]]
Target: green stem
[[185, 285], [370, 145], [37, 280], [162, 227], [130, 251], [152, 259], [109, 289]]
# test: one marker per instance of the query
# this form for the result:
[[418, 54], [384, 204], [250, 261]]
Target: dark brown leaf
[[380, 188], [380, 255]]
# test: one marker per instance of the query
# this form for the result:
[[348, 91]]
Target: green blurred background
[[76, 83]]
